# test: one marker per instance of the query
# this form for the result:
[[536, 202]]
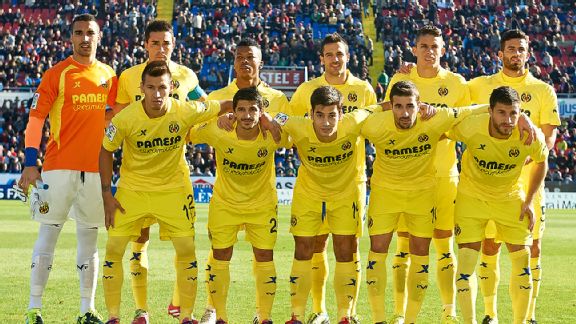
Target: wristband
[[30, 156]]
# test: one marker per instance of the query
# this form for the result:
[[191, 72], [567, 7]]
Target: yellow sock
[[376, 284], [209, 303], [417, 285], [536, 278], [113, 274], [186, 274], [445, 273], [300, 284], [489, 275], [358, 263], [400, 264], [319, 278], [175, 292], [218, 282], [520, 284], [345, 284], [139, 274], [265, 276], [465, 283]]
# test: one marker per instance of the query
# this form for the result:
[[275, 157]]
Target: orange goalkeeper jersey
[[75, 98]]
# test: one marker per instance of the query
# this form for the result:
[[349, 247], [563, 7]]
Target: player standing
[[244, 197], [155, 182], [539, 102], [490, 190], [356, 94], [74, 93]]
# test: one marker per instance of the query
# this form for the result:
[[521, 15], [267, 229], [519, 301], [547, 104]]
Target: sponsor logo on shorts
[[370, 222], [457, 229], [293, 221], [44, 208]]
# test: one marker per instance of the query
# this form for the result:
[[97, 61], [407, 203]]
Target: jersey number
[[433, 213], [189, 208], [274, 223]]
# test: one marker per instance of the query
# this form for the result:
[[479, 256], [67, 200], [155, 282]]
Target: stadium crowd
[[33, 40]]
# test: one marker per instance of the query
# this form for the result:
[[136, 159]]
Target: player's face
[[503, 119], [429, 50], [335, 58], [405, 110], [156, 91], [247, 62], [514, 54], [160, 46], [85, 38], [247, 114], [325, 120]]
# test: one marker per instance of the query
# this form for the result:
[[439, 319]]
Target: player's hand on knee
[[110, 206], [526, 125], [406, 67], [427, 111], [528, 211], [226, 122], [28, 177]]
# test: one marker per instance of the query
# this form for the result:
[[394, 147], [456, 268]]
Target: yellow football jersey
[[245, 170], [404, 159], [491, 167], [356, 94], [328, 170], [153, 148], [184, 80], [447, 89], [538, 99], [275, 101]]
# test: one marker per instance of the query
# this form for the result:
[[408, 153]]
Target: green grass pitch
[[556, 304]]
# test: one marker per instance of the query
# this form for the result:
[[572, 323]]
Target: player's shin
[[400, 264], [113, 274], [265, 277], [345, 285], [489, 277], [217, 283], [417, 284], [87, 265], [445, 273], [536, 270], [300, 284], [466, 283], [376, 285], [520, 284], [186, 273], [319, 279], [42, 257], [139, 273]]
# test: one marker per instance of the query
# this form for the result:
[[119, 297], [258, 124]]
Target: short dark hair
[[156, 69], [157, 26], [331, 39], [246, 42], [428, 30], [404, 89], [504, 95], [84, 17], [326, 96], [512, 34], [249, 94]]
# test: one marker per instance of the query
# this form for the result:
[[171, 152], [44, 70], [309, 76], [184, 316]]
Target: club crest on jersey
[[176, 84], [265, 102], [514, 152], [103, 83], [443, 91], [352, 97], [526, 97], [44, 208], [111, 132], [423, 138], [173, 127], [346, 146], [35, 101], [262, 152]]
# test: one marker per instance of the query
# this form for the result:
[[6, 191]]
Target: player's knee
[[320, 243], [441, 234], [184, 247], [535, 249], [144, 235], [403, 234], [380, 243], [473, 246], [344, 247], [116, 246], [303, 247], [223, 254], [261, 255], [490, 247], [419, 245]]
